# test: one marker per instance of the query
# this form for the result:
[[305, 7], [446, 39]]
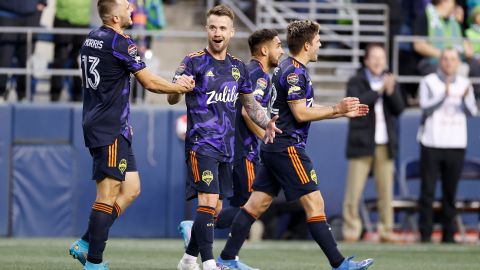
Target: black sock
[[225, 218], [322, 234], [101, 219], [238, 234], [192, 248], [203, 227], [115, 214]]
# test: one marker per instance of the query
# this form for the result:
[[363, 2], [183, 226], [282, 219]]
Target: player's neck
[[217, 55], [301, 58], [263, 63], [115, 28]]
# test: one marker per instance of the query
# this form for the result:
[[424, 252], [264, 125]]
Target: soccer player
[[108, 57], [266, 50], [285, 163], [220, 79]]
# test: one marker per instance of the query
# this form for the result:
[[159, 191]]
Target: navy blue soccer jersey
[[211, 105], [290, 82], [108, 59], [246, 143]]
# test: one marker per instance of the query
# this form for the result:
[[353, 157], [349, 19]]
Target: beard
[[215, 47], [127, 22], [273, 62]]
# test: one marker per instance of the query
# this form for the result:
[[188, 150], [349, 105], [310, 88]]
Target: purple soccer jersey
[[108, 59], [211, 105], [246, 143], [290, 82]]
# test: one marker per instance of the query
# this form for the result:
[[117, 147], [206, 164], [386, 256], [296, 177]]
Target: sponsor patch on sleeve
[[292, 78], [132, 50]]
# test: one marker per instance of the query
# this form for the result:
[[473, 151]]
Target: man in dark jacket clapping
[[372, 141]]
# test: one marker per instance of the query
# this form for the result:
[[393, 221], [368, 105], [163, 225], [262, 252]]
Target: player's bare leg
[[129, 190]]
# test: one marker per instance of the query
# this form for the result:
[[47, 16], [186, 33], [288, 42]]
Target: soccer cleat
[[79, 250], [233, 264], [185, 229], [348, 264], [187, 266], [93, 266]]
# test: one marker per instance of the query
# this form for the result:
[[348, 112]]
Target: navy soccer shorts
[[243, 177], [208, 175], [113, 160], [291, 170]]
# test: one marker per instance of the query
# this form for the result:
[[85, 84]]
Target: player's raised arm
[[259, 117], [347, 107], [159, 85]]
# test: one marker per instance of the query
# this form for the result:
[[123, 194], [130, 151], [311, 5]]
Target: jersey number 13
[[91, 76]]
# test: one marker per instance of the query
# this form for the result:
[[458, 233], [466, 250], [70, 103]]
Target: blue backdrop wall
[[45, 169]]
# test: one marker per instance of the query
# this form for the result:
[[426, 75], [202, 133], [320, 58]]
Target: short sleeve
[[185, 68], [245, 86], [260, 85], [295, 83], [126, 51]]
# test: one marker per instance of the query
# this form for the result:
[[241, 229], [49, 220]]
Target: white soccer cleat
[[188, 266]]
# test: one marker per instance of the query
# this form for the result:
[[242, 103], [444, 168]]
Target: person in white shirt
[[372, 143], [446, 100]]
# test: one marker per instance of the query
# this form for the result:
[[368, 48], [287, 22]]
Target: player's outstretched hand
[[360, 111], [271, 130], [347, 104], [187, 82]]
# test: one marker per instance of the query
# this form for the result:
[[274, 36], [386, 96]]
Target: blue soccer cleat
[[79, 250], [93, 266], [348, 264], [185, 229], [233, 265]]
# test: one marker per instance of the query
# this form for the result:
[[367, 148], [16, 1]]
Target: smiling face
[[219, 31], [376, 60], [449, 62]]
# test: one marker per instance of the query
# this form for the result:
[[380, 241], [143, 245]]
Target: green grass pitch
[[128, 254]]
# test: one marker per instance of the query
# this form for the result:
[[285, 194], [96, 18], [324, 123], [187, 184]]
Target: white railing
[[362, 23], [31, 31]]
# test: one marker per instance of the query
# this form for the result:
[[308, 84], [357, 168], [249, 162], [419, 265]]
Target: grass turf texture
[[123, 254]]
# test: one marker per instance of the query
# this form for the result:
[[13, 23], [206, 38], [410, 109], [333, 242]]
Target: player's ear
[[115, 19], [264, 50], [233, 32], [306, 46]]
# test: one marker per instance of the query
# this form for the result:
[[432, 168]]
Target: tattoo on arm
[[254, 110]]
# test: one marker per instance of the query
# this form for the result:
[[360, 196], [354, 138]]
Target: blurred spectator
[[438, 21], [446, 99], [69, 14], [411, 10], [473, 34], [14, 46], [372, 142]]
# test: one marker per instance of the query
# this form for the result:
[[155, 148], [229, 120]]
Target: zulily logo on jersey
[[227, 95]]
